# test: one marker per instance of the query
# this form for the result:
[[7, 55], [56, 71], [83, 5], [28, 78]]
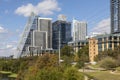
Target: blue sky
[[14, 15]]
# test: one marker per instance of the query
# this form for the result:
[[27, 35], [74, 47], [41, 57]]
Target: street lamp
[[59, 45], [41, 50]]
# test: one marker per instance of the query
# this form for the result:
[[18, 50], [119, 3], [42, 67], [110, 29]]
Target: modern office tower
[[79, 30], [44, 32], [26, 37], [36, 36], [61, 28], [40, 39], [115, 16]]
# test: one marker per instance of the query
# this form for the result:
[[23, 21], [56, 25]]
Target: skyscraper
[[43, 35], [115, 16], [79, 30], [36, 36], [62, 27]]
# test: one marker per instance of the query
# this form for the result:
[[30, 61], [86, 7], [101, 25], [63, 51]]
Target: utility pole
[[41, 50], [59, 45]]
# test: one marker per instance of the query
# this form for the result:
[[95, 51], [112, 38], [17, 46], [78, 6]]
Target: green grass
[[5, 72], [95, 66], [104, 75], [13, 75], [118, 68]]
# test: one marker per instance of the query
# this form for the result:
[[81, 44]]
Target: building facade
[[93, 48], [27, 36], [79, 30], [43, 35], [78, 45], [61, 29], [115, 16], [101, 43], [37, 37]]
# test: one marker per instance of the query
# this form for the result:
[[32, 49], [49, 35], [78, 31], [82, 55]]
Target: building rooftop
[[106, 35], [78, 41]]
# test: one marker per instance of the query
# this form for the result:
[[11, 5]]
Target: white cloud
[[2, 30], [103, 26], [9, 46], [46, 7]]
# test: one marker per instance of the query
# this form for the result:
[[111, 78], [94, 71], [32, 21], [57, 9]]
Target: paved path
[[87, 70], [114, 72], [86, 78]]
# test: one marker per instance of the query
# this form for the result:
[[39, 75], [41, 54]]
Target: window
[[110, 38]]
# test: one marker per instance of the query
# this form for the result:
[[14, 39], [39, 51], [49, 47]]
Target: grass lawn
[[104, 75], [13, 75], [5, 72], [95, 66]]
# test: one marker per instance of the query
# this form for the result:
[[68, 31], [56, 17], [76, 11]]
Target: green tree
[[83, 54], [47, 61], [80, 64], [73, 74], [67, 51], [53, 74], [82, 57], [67, 61], [46, 68]]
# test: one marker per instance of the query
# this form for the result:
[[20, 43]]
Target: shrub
[[73, 74], [79, 64], [108, 63], [118, 68], [53, 74]]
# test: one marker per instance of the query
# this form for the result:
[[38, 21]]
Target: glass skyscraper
[[115, 16], [37, 36], [63, 28]]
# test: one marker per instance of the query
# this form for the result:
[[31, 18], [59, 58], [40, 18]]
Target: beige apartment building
[[102, 43], [93, 48]]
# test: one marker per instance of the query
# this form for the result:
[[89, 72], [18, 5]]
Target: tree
[[67, 51], [46, 68], [47, 61], [73, 74], [83, 54], [80, 64], [109, 53], [53, 74]]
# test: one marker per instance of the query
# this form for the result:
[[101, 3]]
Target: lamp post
[[41, 50], [59, 45]]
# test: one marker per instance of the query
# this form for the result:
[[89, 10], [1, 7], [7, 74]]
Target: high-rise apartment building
[[115, 16], [79, 30], [62, 27]]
